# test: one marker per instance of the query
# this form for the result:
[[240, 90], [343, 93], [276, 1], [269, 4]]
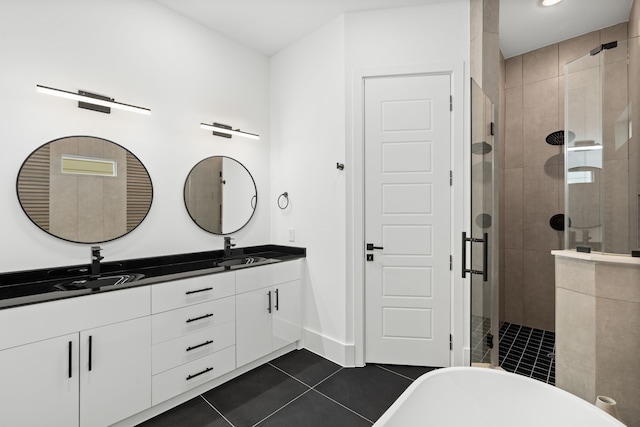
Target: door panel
[[408, 216]]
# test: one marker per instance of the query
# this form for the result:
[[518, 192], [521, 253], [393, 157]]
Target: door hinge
[[490, 340], [451, 262], [450, 342], [492, 128], [450, 178], [450, 102]]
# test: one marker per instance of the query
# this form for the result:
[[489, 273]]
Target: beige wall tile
[[491, 66], [540, 118], [616, 206], [513, 75], [513, 286], [618, 32], [633, 29], [91, 208], [513, 128], [540, 64], [491, 16], [538, 293], [576, 275], [514, 209], [476, 10], [540, 204], [617, 361], [618, 282], [576, 47], [476, 59], [615, 110], [575, 344]]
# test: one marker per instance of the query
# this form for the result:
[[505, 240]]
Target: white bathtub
[[478, 397]]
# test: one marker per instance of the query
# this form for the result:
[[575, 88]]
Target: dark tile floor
[[299, 388], [528, 351]]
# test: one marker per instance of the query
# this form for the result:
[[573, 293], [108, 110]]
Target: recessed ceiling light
[[550, 2]]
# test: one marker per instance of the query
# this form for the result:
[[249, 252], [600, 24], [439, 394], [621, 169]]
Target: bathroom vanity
[[120, 354]]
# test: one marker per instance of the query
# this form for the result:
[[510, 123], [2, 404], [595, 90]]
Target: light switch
[[292, 234]]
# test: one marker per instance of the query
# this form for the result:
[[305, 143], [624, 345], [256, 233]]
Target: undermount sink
[[98, 282], [243, 261]]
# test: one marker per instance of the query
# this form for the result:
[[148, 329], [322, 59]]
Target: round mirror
[[220, 195], [84, 189]]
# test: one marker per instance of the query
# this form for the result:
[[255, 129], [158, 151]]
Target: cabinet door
[[253, 325], [115, 372], [40, 384], [286, 314]]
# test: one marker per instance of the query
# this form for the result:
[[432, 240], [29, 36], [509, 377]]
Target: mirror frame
[[254, 199], [76, 241]]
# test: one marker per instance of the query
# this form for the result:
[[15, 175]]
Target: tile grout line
[[340, 404], [216, 409], [524, 350], [535, 362], [283, 406], [394, 372], [289, 375]]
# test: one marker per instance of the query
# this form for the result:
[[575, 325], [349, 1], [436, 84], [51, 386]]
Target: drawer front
[[250, 279], [36, 322], [187, 348], [175, 323], [194, 290], [185, 377]]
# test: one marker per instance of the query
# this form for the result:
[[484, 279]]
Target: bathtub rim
[[384, 419]]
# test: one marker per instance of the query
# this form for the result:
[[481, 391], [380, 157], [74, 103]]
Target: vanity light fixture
[[550, 2], [226, 131], [92, 101]]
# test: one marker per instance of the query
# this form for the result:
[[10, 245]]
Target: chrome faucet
[[95, 260], [227, 246]]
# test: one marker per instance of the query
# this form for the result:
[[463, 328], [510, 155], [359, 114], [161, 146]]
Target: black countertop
[[49, 284]]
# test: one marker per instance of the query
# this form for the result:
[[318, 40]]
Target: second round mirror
[[220, 195]]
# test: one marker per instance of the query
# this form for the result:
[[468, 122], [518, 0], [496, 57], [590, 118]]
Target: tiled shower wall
[[533, 174]]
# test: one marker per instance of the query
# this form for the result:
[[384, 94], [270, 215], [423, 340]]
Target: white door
[[39, 384], [408, 214], [115, 372]]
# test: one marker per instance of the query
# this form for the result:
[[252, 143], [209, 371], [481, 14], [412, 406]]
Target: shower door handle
[[485, 256]]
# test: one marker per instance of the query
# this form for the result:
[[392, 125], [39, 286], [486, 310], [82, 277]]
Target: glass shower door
[[482, 239]]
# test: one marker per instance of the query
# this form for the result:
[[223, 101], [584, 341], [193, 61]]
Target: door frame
[[460, 206]]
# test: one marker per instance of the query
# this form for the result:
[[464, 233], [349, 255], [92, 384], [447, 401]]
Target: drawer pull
[[199, 373], [196, 291], [199, 345], [199, 318]]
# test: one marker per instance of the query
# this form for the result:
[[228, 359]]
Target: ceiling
[[271, 25]]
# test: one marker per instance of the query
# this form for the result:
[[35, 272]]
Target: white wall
[[308, 134], [312, 108], [140, 53]]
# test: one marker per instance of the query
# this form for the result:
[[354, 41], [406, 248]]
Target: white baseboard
[[336, 351]]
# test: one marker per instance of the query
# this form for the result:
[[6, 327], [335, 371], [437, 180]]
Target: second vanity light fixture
[[226, 131], [92, 101]]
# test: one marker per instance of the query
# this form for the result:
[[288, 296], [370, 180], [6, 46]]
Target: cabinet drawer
[[35, 322], [185, 377], [175, 323], [181, 293], [187, 348], [250, 279]]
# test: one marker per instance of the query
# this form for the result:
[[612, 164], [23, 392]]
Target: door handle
[[269, 306], [370, 247], [485, 256], [90, 352]]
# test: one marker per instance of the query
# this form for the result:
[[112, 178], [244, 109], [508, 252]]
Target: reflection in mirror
[[220, 195], [84, 189]]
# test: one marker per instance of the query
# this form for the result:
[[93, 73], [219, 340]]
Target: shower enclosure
[[602, 153]]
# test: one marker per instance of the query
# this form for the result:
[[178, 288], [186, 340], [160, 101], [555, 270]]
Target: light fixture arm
[[90, 100], [226, 131]]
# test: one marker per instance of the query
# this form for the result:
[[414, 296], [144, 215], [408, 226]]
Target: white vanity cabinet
[[82, 361], [193, 333], [268, 312], [39, 383]]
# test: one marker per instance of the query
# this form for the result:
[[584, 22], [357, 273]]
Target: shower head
[[557, 137]]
